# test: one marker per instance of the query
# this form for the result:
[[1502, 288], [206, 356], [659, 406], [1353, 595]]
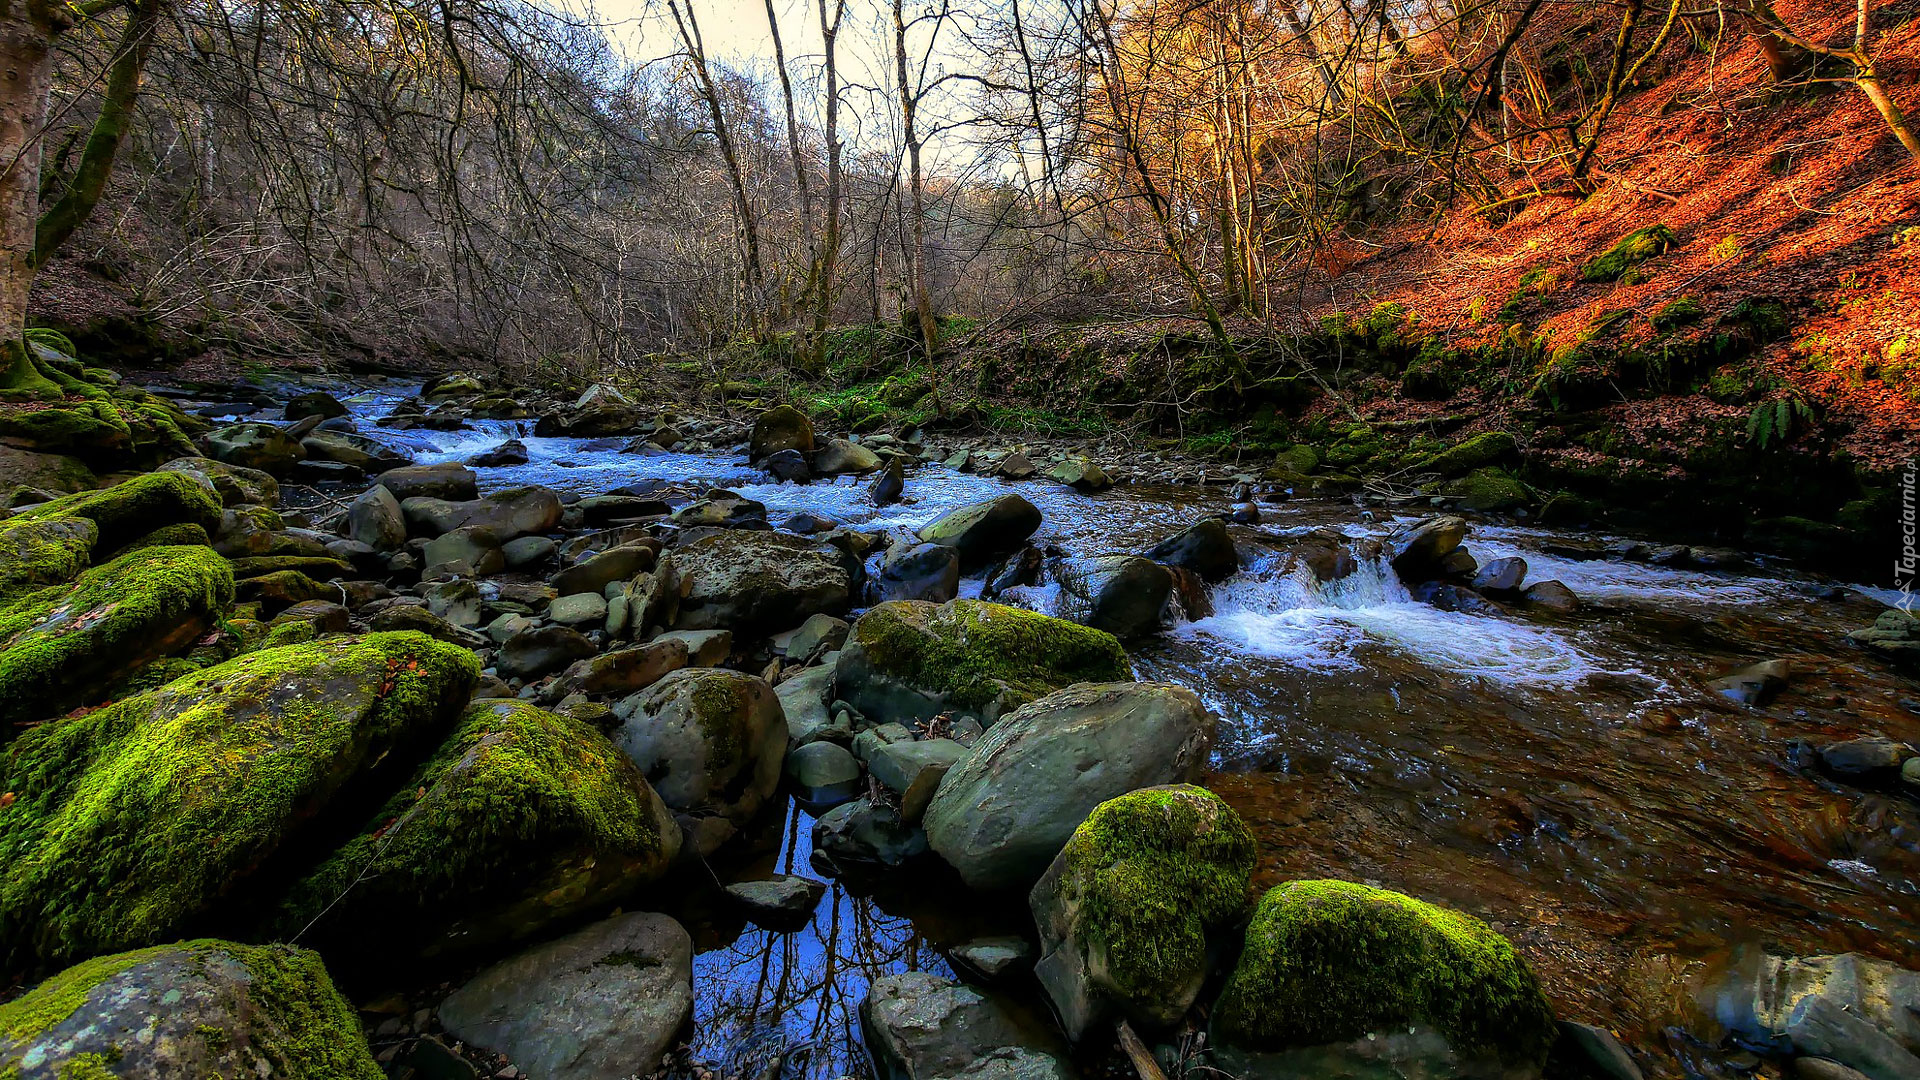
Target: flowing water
[[1567, 778]]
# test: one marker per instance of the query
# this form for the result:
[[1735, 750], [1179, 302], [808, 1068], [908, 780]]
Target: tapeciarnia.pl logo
[[1907, 565]]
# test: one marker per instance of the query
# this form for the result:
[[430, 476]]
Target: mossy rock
[[64, 645], [710, 740], [282, 589], [46, 551], [196, 1008], [136, 821], [1355, 447], [1629, 251], [1676, 313], [1125, 909], [1301, 459], [185, 534], [1477, 452], [521, 819], [911, 659], [1489, 490], [234, 484], [1330, 961], [314, 566], [127, 511]]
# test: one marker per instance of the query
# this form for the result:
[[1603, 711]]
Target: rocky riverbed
[[583, 740]]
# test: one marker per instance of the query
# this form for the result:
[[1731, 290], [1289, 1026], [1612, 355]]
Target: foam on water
[[1277, 610], [1615, 580]]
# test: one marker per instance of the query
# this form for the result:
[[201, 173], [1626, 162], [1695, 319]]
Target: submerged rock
[[912, 660], [1004, 812], [600, 1004], [520, 820], [1125, 909], [196, 1009], [1330, 962], [131, 822]]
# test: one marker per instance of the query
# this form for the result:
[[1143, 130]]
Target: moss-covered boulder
[[913, 660], [194, 1009], [711, 741], [1477, 452], [253, 445], [64, 645], [50, 472], [1489, 490], [234, 484], [127, 511], [1629, 251], [1332, 961], [1125, 909], [132, 822], [1003, 813], [780, 428], [985, 530], [521, 819]]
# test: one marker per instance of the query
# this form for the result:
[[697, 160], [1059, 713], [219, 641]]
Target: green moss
[[58, 645], [973, 652], [133, 820], [295, 632], [522, 816], [313, 566], [1630, 250], [56, 999], [1328, 961], [1472, 453], [1489, 489], [185, 534], [1680, 312], [44, 552], [282, 589], [1151, 872], [125, 512]]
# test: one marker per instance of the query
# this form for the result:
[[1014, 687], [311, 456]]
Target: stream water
[[1569, 779]]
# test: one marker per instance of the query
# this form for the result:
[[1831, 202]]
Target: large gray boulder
[[984, 530], [600, 1004], [445, 480], [1205, 547], [375, 520], [1125, 595], [1418, 550], [919, 1026], [780, 428], [350, 448], [841, 456], [509, 514], [710, 740], [919, 572], [753, 581], [1004, 812], [1861, 1012], [253, 445], [180, 1012]]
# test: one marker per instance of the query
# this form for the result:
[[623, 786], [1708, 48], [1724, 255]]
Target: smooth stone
[[826, 774], [914, 770], [705, 648], [994, 957], [526, 551], [578, 609], [780, 902]]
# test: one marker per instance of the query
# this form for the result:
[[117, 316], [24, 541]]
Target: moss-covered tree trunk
[[27, 29]]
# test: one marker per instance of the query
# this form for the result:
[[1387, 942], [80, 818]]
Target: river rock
[[1005, 811], [348, 448], [408, 617], [600, 1004], [1551, 596], [1080, 473], [197, 1009], [1332, 969], [457, 601], [1023, 567], [1894, 636], [511, 452], [1861, 1012], [864, 834], [1754, 684], [1864, 756], [914, 769], [789, 466], [826, 774], [1417, 551], [984, 530], [1205, 547], [919, 572], [253, 445], [622, 671], [803, 698], [782, 902], [992, 958], [919, 1026], [710, 740], [1126, 908], [601, 412], [67, 645], [512, 513], [597, 571], [910, 660], [705, 648], [758, 581], [780, 428], [1125, 595], [233, 483], [253, 750], [474, 548], [542, 650], [528, 819], [448, 480], [579, 609], [890, 485], [1601, 1052], [818, 635], [1501, 575], [841, 456], [374, 519], [723, 510], [1016, 466]]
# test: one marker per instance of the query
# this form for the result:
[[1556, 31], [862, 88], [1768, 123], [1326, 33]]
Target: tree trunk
[[27, 28], [754, 278], [916, 190], [830, 239]]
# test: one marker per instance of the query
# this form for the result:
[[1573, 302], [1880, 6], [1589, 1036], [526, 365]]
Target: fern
[[1773, 422]]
